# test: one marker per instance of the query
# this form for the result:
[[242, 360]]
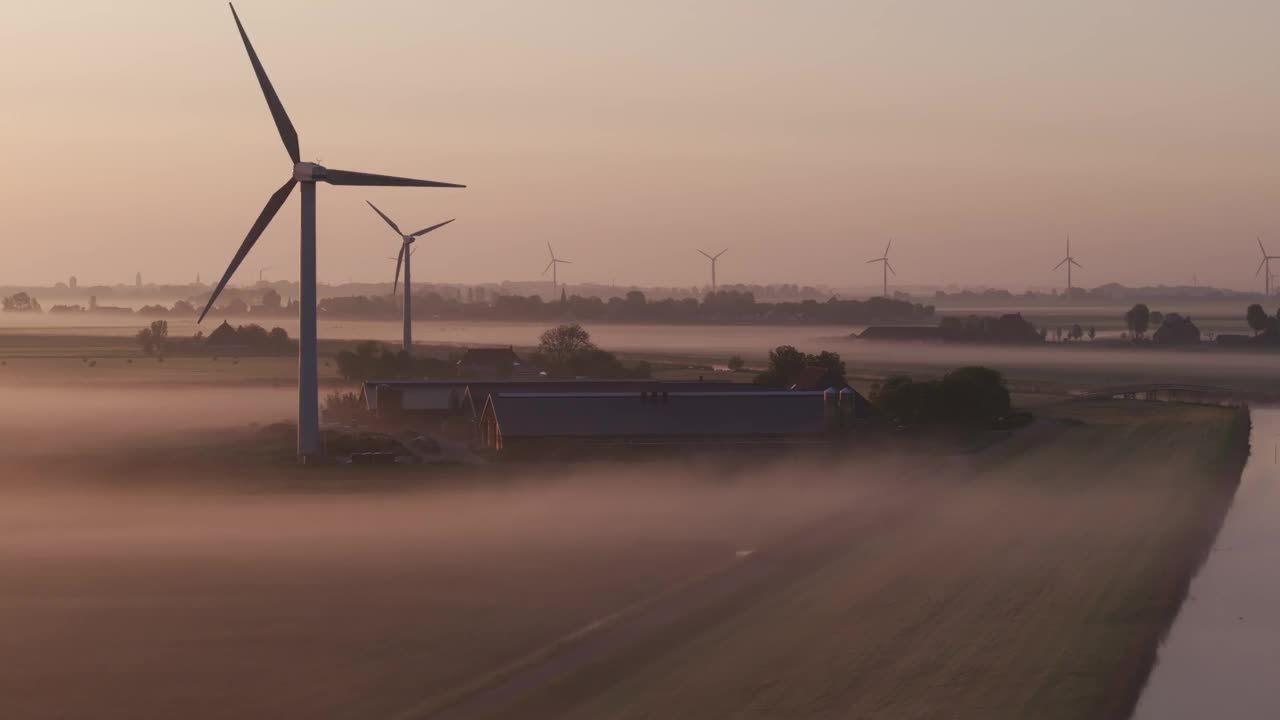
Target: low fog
[[181, 597]]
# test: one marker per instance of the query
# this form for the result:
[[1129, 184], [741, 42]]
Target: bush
[[736, 363], [968, 396], [342, 404]]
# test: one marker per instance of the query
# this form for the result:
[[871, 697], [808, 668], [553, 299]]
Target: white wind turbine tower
[[553, 266], [1266, 262], [307, 174], [1069, 261], [406, 254], [713, 259], [887, 267]]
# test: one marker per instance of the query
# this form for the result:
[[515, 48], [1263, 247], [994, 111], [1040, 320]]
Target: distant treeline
[[725, 306], [1110, 293]]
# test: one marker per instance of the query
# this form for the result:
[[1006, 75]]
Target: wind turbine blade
[[564, 262], [886, 247], [264, 218], [1064, 260], [548, 267], [1073, 262], [1264, 262], [551, 252], [1264, 250], [424, 231], [875, 261], [399, 261], [383, 215], [706, 255], [890, 266], [350, 177], [283, 124], [717, 257]]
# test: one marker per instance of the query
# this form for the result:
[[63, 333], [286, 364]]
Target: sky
[[801, 135]]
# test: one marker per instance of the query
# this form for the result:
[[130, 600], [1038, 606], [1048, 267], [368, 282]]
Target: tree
[[159, 331], [736, 363], [1255, 316], [1093, 332], [1157, 319], [21, 302], [144, 339], [1138, 319], [1077, 332], [271, 299], [562, 343], [970, 396], [830, 362], [785, 363]]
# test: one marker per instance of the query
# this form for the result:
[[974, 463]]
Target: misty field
[[1032, 580], [1036, 585]]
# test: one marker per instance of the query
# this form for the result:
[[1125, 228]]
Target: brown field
[[150, 573]]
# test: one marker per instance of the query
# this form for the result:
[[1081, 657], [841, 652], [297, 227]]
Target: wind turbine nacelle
[[309, 172]]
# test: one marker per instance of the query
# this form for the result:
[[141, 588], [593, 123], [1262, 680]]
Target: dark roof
[[473, 393], [901, 332], [489, 356], [629, 414]]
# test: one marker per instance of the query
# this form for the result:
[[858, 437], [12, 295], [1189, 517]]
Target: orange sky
[[800, 134]]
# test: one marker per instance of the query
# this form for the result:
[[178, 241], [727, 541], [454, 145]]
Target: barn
[[533, 423]]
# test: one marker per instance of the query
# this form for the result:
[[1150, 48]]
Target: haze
[[802, 135]]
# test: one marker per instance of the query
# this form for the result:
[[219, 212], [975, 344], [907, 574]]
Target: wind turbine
[[406, 253], [1068, 261], [553, 266], [262, 270], [713, 259], [1266, 262], [307, 174], [887, 267]]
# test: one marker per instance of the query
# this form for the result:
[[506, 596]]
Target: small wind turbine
[[1068, 261], [406, 253], [1266, 262], [713, 259], [553, 266], [887, 267], [308, 175]]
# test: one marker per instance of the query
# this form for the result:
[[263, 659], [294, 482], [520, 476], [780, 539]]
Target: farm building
[[493, 363], [433, 398], [911, 333], [531, 423]]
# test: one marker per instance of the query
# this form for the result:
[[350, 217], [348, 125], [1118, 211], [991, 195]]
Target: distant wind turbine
[[406, 254], [1266, 262], [887, 267], [262, 270], [308, 174], [1069, 262], [713, 259], [553, 266]]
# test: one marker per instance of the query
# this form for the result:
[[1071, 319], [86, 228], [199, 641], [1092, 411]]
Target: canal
[[1222, 656]]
